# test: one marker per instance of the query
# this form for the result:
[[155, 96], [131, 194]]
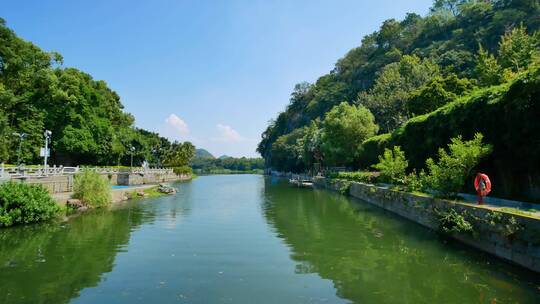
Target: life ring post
[[482, 184]]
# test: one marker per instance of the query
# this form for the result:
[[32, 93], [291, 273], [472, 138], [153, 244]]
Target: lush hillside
[[85, 116], [392, 63], [202, 153], [472, 63]]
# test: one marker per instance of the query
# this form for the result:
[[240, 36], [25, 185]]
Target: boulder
[[82, 209], [163, 188], [74, 203]]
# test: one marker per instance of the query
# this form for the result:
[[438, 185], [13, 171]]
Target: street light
[[132, 151], [21, 139], [47, 135]]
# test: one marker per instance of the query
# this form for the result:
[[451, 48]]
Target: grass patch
[[518, 211], [153, 192]]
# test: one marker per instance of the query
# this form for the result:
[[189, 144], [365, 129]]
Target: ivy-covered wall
[[507, 116]]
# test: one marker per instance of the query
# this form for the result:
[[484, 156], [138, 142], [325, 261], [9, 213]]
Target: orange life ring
[[482, 184]]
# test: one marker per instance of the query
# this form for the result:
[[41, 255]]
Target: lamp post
[[132, 151], [21, 139], [47, 135]]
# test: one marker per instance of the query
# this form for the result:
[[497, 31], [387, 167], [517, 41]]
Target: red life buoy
[[482, 184]]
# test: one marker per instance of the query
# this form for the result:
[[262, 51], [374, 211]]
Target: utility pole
[[47, 135], [21, 139]]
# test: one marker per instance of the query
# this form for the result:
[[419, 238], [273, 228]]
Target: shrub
[[92, 189], [452, 222], [343, 186], [358, 176], [449, 174], [414, 182], [392, 165], [183, 170], [22, 203]]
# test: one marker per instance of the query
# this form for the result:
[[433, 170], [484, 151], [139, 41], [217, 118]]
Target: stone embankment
[[64, 183], [510, 236]]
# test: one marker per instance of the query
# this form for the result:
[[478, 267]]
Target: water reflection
[[53, 262], [240, 239], [375, 257]]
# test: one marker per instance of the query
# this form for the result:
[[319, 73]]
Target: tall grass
[[92, 189]]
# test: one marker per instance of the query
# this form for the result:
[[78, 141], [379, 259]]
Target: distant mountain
[[225, 156], [202, 153]]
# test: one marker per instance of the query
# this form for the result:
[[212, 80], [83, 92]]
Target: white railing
[[8, 172]]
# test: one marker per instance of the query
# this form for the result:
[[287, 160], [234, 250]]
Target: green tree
[[287, 152], [312, 149], [86, 117], [447, 6], [344, 128], [437, 92], [179, 154], [387, 100], [488, 70], [517, 50]]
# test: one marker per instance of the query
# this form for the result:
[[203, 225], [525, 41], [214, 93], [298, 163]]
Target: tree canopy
[[86, 117], [344, 128], [408, 68]]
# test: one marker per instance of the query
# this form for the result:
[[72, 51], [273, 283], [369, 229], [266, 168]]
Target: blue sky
[[212, 72]]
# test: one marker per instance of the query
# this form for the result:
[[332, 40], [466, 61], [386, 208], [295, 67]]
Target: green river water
[[249, 239]]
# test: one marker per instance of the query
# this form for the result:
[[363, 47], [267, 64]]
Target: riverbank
[[119, 194], [511, 236]]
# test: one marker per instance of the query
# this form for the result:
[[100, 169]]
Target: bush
[[414, 182], [392, 165], [449, 173], [371, 148], [182, 170], [359, 176], [22, 203], [92, 189], [452, 222]]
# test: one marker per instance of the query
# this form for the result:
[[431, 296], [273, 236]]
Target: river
[[249, 239]]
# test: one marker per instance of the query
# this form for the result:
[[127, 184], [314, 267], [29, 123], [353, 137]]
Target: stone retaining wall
[[513, 237], [53, 184], [64, 183]]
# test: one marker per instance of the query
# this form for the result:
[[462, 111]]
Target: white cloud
[[227, 134], [175, 128]]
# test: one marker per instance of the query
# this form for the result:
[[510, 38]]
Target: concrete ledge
[[491, 231]]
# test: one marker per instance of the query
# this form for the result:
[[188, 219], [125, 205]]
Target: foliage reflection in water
[[234, 239]]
